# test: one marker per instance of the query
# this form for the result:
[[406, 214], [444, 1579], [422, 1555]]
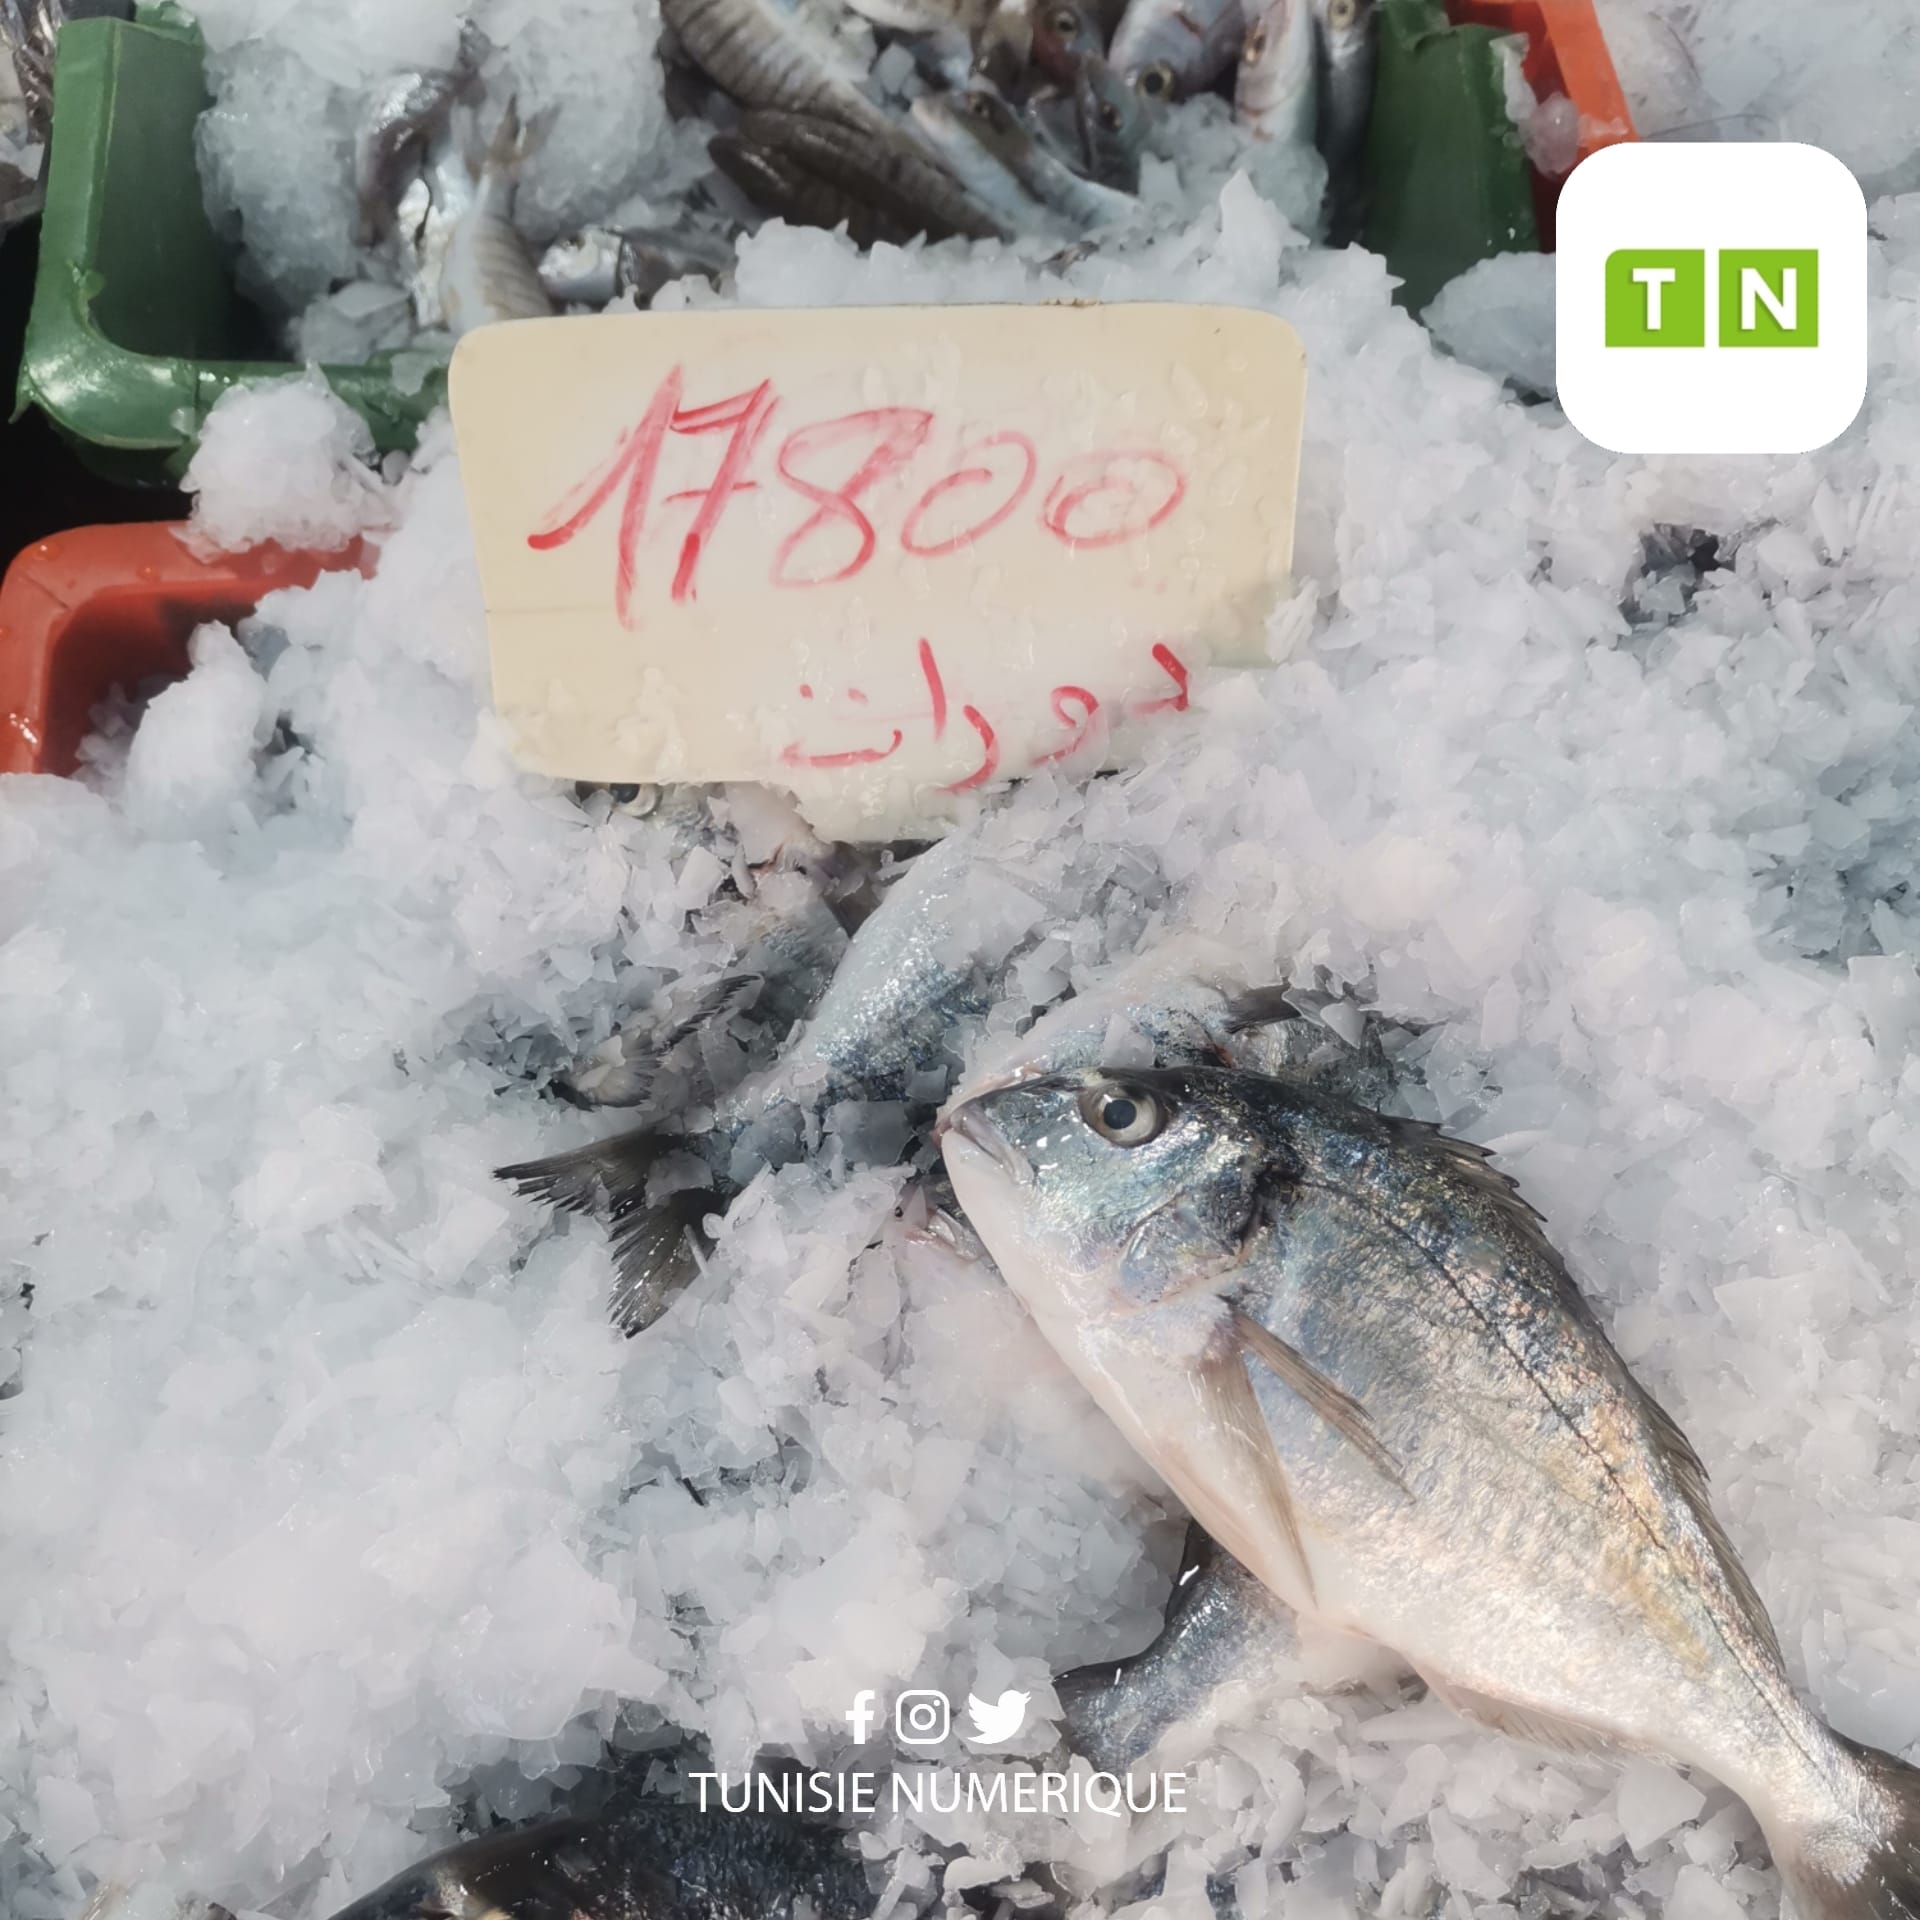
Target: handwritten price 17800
[[833, 468]]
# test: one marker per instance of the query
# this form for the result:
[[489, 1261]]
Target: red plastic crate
[[100, 607], [1566, 53]]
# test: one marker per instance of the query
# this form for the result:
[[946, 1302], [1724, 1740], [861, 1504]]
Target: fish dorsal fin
[[1471, 1165], [1690, 1478]]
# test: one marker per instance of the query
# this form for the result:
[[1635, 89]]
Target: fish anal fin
[[1532, 1724], [1231, 1408], [1338, 1408]]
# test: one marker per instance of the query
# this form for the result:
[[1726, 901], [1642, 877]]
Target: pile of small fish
[[1029, 117]]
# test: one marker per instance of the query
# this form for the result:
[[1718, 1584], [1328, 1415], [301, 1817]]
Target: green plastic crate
[[136, 329], [1448, 179]]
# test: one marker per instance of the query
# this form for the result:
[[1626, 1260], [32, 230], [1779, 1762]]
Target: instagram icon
[[922, 1717]]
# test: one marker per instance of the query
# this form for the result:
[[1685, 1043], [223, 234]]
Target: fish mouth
[[979, 1132]]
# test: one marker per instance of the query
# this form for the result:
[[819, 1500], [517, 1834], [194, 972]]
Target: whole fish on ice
[[884, 1040], [981, 117], [1345, 1343]]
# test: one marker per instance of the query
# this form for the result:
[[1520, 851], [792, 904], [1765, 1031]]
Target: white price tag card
[[872, 555]]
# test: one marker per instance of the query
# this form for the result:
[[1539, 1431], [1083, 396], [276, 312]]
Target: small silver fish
[[1064, 34], [1113, 121], [1085, 204], [599, 265], [1346, 1344], [941, 121], [1275, 92], [486, 271], [1348, 34], [397, 125], [1168, 49]]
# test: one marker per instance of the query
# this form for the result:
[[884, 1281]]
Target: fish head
[[1113, 112], [1063, 35], [1274, 90], [1347, 29], [1104, 1191], [989, 120]]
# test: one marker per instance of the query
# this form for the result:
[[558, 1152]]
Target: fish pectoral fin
[[1540, 1729], [1338, 1408], [1231, 1407], [1261, 1007]]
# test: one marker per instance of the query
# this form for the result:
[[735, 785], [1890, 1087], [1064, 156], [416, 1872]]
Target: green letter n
[[1657, 297]]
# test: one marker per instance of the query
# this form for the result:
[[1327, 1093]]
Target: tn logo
[[1766, 297]]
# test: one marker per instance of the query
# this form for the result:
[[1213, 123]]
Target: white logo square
[[1711, 299]]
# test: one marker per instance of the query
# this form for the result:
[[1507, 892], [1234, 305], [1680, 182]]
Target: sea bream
[[886, 1037], [1346, 1344], [635, 1859]]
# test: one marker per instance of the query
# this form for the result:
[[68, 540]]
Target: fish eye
[[1156, 81], [636, 800], [1127, 1116], [1066, 22], [1340, 13], [1255, 47]]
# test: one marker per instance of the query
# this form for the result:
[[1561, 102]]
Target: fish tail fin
[[606, 1176], [657, 1247], [1865, 1863], [656, 1257]]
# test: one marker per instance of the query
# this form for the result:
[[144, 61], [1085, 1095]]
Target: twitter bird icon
[[995, 1722]]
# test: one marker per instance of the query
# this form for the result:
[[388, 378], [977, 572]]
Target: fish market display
[[1576, 813], [893, 121], [1349, 1347]]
